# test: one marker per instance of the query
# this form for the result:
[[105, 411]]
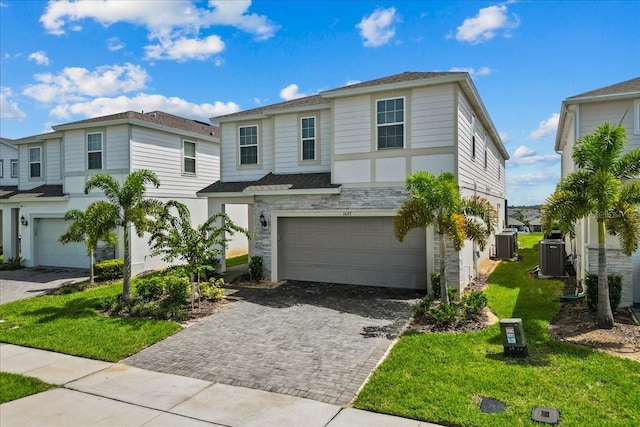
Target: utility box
[[513, 339], [506, 244], [552, 258]]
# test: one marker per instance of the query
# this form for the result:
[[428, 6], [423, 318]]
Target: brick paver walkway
[[313, 340]]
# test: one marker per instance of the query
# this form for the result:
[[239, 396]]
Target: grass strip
[[15, 386]]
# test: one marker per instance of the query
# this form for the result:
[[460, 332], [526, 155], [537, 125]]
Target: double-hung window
[[35, 162], [473, 137], [15, 166], [1, 168], [189, 157], [637, 117], [94, 150], [248, 145], [308, 132], [390, 123]]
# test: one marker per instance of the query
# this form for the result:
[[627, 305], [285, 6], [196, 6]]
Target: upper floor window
[[94, 150], [1, 168], [249, 145], [390, 123], [486, 151], [473, 136], [35, 162], [189, 157], [308, 132], [15, 166], [637, 117]]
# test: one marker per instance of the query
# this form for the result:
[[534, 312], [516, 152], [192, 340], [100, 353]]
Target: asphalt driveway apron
[[313, 340]]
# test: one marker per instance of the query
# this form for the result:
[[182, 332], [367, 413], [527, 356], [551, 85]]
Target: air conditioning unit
[[506, 244], [552, 258]]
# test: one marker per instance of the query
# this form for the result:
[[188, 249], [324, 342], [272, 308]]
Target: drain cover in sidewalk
[[492, 406], [545, 415]]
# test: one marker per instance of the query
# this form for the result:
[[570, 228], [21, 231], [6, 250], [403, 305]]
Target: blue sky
[[69, 60]]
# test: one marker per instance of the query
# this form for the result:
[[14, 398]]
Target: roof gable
[[622, 88]]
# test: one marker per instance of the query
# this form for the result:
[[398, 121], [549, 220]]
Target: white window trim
[[1, 168], [486, 152], [257, 145], [39, 148], [403, 123], [11, 163], [315, 139], [636, 117], [473, 136], [195, 157], [101, 150]]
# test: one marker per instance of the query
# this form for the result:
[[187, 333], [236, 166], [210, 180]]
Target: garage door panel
[[50, 252], [360, 250]]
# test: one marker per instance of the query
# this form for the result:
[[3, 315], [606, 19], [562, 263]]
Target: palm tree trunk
[[126, 268], [444, 295], [605, 315], [91, 262]]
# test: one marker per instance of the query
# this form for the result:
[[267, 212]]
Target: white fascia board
[[430, 81], [600, 98], [7, 143], [231, 195], [561, 131], [240, 118], [18, 199], [37, 138], [292, 192], [299, 109]]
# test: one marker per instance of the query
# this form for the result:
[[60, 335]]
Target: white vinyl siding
[[189, 157], [94, 150], [592, 115], [636, 118], [249, 145], [390, 123], [352, 125], [308, 138], [35, 162], [53, 159], [232, 170], [432, 117]]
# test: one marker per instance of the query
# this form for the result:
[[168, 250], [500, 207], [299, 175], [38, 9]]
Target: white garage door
[[50, 252], [352, 250]]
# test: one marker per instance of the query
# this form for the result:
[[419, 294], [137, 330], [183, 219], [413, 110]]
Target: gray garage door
[[352, 250], [50, 252]]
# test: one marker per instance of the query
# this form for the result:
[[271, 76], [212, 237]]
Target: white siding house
[[324, 175], [580, 115], [54, 167]]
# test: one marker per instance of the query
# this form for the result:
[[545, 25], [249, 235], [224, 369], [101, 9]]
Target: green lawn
[[14, 386], [72, 324], [441, 377], [237, 260]]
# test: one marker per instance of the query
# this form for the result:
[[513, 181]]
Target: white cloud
[[8, 108], [546, 127], [174, 25], [183, 48], [144, 102], [218, 61], [40, 58], [523, 151], [485, 25], [535, 178], [377, 29], [114, 44], [291, 92], [482, 71], [504, 136], [352, 82]]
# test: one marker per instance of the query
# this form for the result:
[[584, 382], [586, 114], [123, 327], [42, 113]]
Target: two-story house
[[324, 175], [580, 115], [53, 168], [8, 172]]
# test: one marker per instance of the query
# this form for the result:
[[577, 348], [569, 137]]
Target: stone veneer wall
[[617, 262], [349, 199]]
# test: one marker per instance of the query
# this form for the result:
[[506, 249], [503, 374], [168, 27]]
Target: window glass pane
[[189, 149], [249, 135], [390, 137], [1, 169], [249, 155], [95, 160], [190, 165], [309, 149], [34, 154], [14, 168], [34, 170], [94, 141]]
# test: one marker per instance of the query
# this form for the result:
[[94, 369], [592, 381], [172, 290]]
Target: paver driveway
[[313, 340], [31, 282]]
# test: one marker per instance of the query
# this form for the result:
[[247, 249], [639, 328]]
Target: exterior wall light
[[263, 221], [24, 221]]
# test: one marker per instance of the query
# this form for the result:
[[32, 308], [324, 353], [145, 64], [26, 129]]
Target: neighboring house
[[515, 223], [324, 175], [535, 225], [8, 172], [580, 115], [53, 168]]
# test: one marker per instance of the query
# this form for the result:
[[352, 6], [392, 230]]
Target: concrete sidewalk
[[111, 394]]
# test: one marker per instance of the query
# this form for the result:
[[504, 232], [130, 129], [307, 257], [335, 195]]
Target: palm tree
[[92, 226], [132, 206], [437, 201], [600, 187]]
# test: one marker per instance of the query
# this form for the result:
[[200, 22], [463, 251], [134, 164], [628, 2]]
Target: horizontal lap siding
[[595, 114], [117, 147], [231, 171], [352, 125], [432, 114], [286, 147]]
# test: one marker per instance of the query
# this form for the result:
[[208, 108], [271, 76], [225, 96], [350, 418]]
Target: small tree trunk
[[444, 295], [126, 268], [605, 314], [92, 261]]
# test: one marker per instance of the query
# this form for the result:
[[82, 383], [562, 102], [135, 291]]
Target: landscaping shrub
[[473, 304], [452, 293], [212, 289], [174, 311], [445, 315], [435, 284], [255, 268], [150, 309], [422, 307], [176, 289], [149, 288], [110, 269], [212, 267], [15, 263], [591, 290]]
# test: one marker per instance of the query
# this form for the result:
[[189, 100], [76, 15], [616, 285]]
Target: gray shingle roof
[[299, 102], [398, 78], [157, 117], [9, 192], [271, 181], [629, 86]]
